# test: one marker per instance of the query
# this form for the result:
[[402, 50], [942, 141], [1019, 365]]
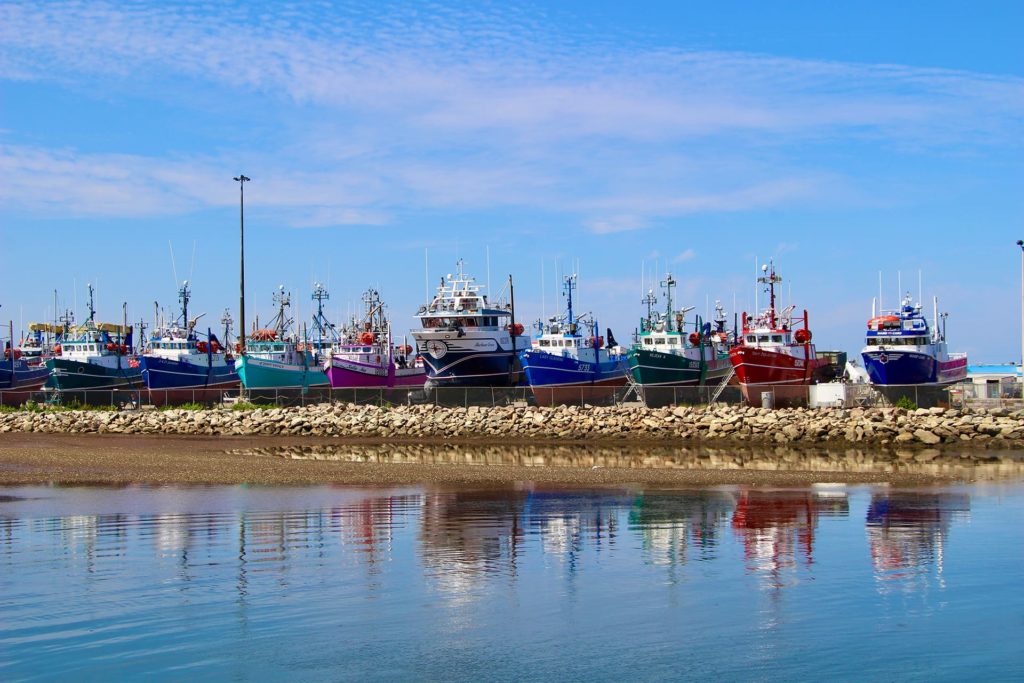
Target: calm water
[[328, 583]]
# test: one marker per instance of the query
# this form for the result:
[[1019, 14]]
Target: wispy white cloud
[[684, 256], [388, 109]]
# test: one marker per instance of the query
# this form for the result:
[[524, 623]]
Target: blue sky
[[842, 140]]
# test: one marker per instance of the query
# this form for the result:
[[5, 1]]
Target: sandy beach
[[120, 459]]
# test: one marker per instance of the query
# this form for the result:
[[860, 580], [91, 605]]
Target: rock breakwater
[[933, 427]]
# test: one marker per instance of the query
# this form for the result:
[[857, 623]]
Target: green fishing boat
[[665, 354]]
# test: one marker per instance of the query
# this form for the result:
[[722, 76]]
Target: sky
[[386, 140]]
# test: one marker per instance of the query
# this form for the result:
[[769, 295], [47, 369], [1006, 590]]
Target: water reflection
[[671, 523], [907, 533], [777, 528], [262, 564], [973, 464]]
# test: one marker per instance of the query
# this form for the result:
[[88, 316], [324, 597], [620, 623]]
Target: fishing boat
[[94, 356], [275, 358], [178, 367], [903, 349], [467, 340], [568, 362], [664, 355], [366, 355], [775, 354], [18, 379], [40, 343]]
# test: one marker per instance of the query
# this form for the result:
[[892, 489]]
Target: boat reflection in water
[[411, 580], [907, 533], [673, 523], [777, 527]]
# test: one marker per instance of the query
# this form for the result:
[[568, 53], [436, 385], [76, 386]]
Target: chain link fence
[[964, 396]]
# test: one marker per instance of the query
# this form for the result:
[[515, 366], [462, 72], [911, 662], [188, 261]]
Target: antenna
[[919, 297], [426, 274], [174, 270], [899, 287], [488, 270], [880, 308], [192, 268], [543, 289]]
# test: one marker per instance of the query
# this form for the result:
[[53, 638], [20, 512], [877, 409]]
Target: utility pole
[[1020, 243], [241, 180]]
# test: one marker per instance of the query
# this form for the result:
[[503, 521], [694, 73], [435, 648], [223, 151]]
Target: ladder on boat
[[722, 385], [633, 388]]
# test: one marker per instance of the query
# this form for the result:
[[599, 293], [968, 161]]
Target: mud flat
[[63, 459]]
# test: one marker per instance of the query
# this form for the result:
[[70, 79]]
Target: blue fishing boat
[[18, 379], [903, 349], [467, 340], [178, 367], [275, 359], [568, 362]]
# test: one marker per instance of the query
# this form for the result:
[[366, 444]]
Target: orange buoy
[[803, 336], [694, 338]]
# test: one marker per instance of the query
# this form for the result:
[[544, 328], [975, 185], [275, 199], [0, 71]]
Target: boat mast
[[92, 310], [283, 300], [650, 300], [668, 284], [770, 278], [320, 295], [226, 321], [184, 294], [569, 285]]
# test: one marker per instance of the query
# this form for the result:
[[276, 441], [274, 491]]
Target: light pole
[[1020, 243], [241, 180]]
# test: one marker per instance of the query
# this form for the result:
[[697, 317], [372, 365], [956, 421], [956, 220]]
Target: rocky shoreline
[[893, 427]]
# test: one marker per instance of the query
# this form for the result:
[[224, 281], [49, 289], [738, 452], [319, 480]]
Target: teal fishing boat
[[276, 359]]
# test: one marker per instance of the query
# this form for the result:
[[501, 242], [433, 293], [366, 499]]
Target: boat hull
[[69, 375], [558, 380], [653, 368], [473, 369], [18, 381], [262, 373], [347, 374], [891, 368], [172, 381], [763, 370]]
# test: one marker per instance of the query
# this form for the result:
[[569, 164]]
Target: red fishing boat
[[775, 353]]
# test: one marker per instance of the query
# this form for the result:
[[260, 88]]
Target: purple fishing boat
[[366, 355]]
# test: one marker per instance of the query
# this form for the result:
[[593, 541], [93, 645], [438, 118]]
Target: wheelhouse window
[[660, 341], [777, 338], [648, 341], [751, 339], [545, 342]]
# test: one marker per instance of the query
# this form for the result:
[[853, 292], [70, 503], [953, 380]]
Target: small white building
[[995, 380]]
